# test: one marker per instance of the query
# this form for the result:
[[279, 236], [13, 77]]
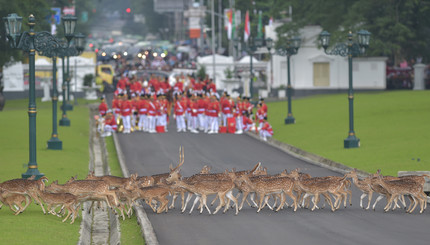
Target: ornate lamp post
[[350, 49], [30, 41], [269, 45], [290, 47], [253, 44], [69, 23]]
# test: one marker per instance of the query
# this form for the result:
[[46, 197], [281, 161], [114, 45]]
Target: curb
[[145, 225], [309, 157]]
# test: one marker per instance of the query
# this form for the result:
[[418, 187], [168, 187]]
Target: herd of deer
[[121, 193]]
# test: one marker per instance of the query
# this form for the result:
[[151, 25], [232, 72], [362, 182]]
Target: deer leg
[[262, 197], [233, 199], [68, 214], [37, 200], [213, 201], [182, 199], [361, 199], [186, 202], [315, 201], [245, 195], [377, 200], [266, 202], [415, 203], [328, 199], [282, 202], [195, 201], [252, 197], [175, 195], [387, 207], [221, 197], [204, 203]]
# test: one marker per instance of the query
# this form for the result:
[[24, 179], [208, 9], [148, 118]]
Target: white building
[[312, 69]]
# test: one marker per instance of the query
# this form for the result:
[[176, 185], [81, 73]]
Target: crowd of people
[[195, 105]]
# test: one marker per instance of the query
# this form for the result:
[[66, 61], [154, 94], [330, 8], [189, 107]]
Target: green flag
[[260, 25], [233, 25]]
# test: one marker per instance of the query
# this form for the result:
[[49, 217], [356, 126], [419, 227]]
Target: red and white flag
[[271, 21], [247, 32]]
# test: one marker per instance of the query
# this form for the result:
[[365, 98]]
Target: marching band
[[147, 106]]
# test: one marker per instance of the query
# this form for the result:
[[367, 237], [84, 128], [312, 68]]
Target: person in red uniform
[[266, 130], [165, 86], [213, 111], [126, 107], [103, 107], [142, 110], [116, 105], [122, 84], [136, 87], [198, 87], [247, 123], [109, 124], [260, 115], [247, 106], [179, 110], [211, 87], [239, 114], [179, 86], [201, 108], [134, 116], [207, 101], [163, 103], [227, 108], [194, 113], [263, 105], [152, 113]]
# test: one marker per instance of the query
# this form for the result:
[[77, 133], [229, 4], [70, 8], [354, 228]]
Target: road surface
[[149, 154]]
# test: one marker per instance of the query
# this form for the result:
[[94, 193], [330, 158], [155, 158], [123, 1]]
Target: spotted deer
[[66, 200], [221, 188], [403, 187], [264, 187], [87, 189], [14, 201], [25, 187]]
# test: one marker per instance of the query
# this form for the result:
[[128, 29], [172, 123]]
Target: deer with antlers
[[28, 187]]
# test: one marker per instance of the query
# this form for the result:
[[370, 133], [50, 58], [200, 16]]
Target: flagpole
[[213, 40]]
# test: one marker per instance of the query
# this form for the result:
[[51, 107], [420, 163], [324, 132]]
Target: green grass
[[32, 227], [393, 128], [130, 230]]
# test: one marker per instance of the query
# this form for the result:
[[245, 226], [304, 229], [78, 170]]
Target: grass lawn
[[32, 227], [393, 128]]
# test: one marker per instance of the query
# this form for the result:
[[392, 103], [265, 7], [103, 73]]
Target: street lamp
[[30, 41], [350, 49], [269, 45], [253, 44], [288, 48], [69, 23]]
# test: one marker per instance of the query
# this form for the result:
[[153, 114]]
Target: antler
[[255, 167], [181, 158]]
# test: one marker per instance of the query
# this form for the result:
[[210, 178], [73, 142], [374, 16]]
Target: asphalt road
[[149, 154]]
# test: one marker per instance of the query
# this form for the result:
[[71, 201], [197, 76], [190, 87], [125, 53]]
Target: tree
[[399, 28]]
